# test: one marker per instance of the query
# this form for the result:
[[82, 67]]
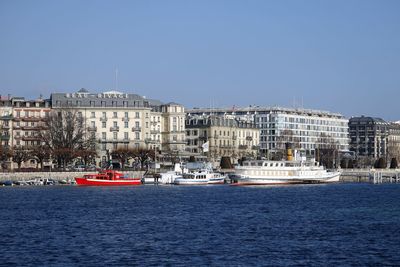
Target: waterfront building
[[5, 122], [225, 136], [307, 129], [369, 136], [21, 121], [394, 141], [121, 120]]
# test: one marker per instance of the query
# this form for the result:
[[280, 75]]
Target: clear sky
[[342, 55]]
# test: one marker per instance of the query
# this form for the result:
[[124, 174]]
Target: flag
[[205, 146]]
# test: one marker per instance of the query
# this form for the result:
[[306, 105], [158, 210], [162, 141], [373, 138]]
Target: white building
[[127, 120], [308, 129]]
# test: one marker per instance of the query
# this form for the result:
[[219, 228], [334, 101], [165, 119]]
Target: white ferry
[[201, 177], [263, 172]]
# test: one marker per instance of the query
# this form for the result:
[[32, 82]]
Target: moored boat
[[201, 177], [297, 171], [107, 178], [262, 172]]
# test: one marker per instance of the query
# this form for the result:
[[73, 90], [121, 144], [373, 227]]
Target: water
[[318, 225]]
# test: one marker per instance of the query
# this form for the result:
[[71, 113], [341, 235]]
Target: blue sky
[[341, 56]]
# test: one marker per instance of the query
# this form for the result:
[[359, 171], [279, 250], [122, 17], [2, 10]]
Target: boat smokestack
[[289, 152]]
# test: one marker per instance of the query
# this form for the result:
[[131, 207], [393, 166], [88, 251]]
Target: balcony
[[153, 123], [234, 137], [215, 136], [7, 117], [136, 129], [103, 119], [92, 128], [242, 146], [249, 138], [31, 138], [155, 131], [32, 128], [150, 141], [5, 137], [114, 141], [5, 127], [30, 119], [125, 119], [114, 129]]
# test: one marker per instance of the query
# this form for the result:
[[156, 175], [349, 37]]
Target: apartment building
[[225, 137], [307, 129], [5, 122], [28, 120]]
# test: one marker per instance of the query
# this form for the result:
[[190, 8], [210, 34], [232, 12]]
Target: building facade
[[369, 136], [307, 129], [120, 120], [225, 137]]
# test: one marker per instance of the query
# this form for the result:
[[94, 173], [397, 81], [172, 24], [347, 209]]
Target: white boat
[[170, 176], [263, 172], [200, 177]]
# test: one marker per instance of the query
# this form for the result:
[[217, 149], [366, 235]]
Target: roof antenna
[[116, 79]]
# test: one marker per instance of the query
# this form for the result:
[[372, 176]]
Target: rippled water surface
[[323, 225]]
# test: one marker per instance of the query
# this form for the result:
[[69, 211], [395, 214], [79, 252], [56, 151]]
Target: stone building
[[225, 137], [121, 120], [369, 136], [394, 141]]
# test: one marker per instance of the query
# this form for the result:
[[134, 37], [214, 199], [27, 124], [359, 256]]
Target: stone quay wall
[[58, 176]]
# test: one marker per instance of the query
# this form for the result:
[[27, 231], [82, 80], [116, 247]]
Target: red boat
[[107, 178]]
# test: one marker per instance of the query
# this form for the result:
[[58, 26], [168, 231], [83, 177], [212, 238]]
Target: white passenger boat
[[263, 172], [201, 177]]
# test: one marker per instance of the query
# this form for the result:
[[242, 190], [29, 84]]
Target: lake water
[[317, 225]]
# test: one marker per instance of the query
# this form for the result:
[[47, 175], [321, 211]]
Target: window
[[115, 115], [92, 115], [126, 114], [115, 135], [126, 125], [137, 136], [137, 125], [115, 124], [103, 124], [104, 115], [103, 135], [93, 124], [126, 136], [137, 115]]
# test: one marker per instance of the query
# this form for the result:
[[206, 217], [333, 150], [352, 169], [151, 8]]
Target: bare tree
[[143, 155], [5, 155], [40, 153], [64, 134], [19, 155], [123, 155], [327, 151]]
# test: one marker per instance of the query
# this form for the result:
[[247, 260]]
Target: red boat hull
[[100, 182]]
